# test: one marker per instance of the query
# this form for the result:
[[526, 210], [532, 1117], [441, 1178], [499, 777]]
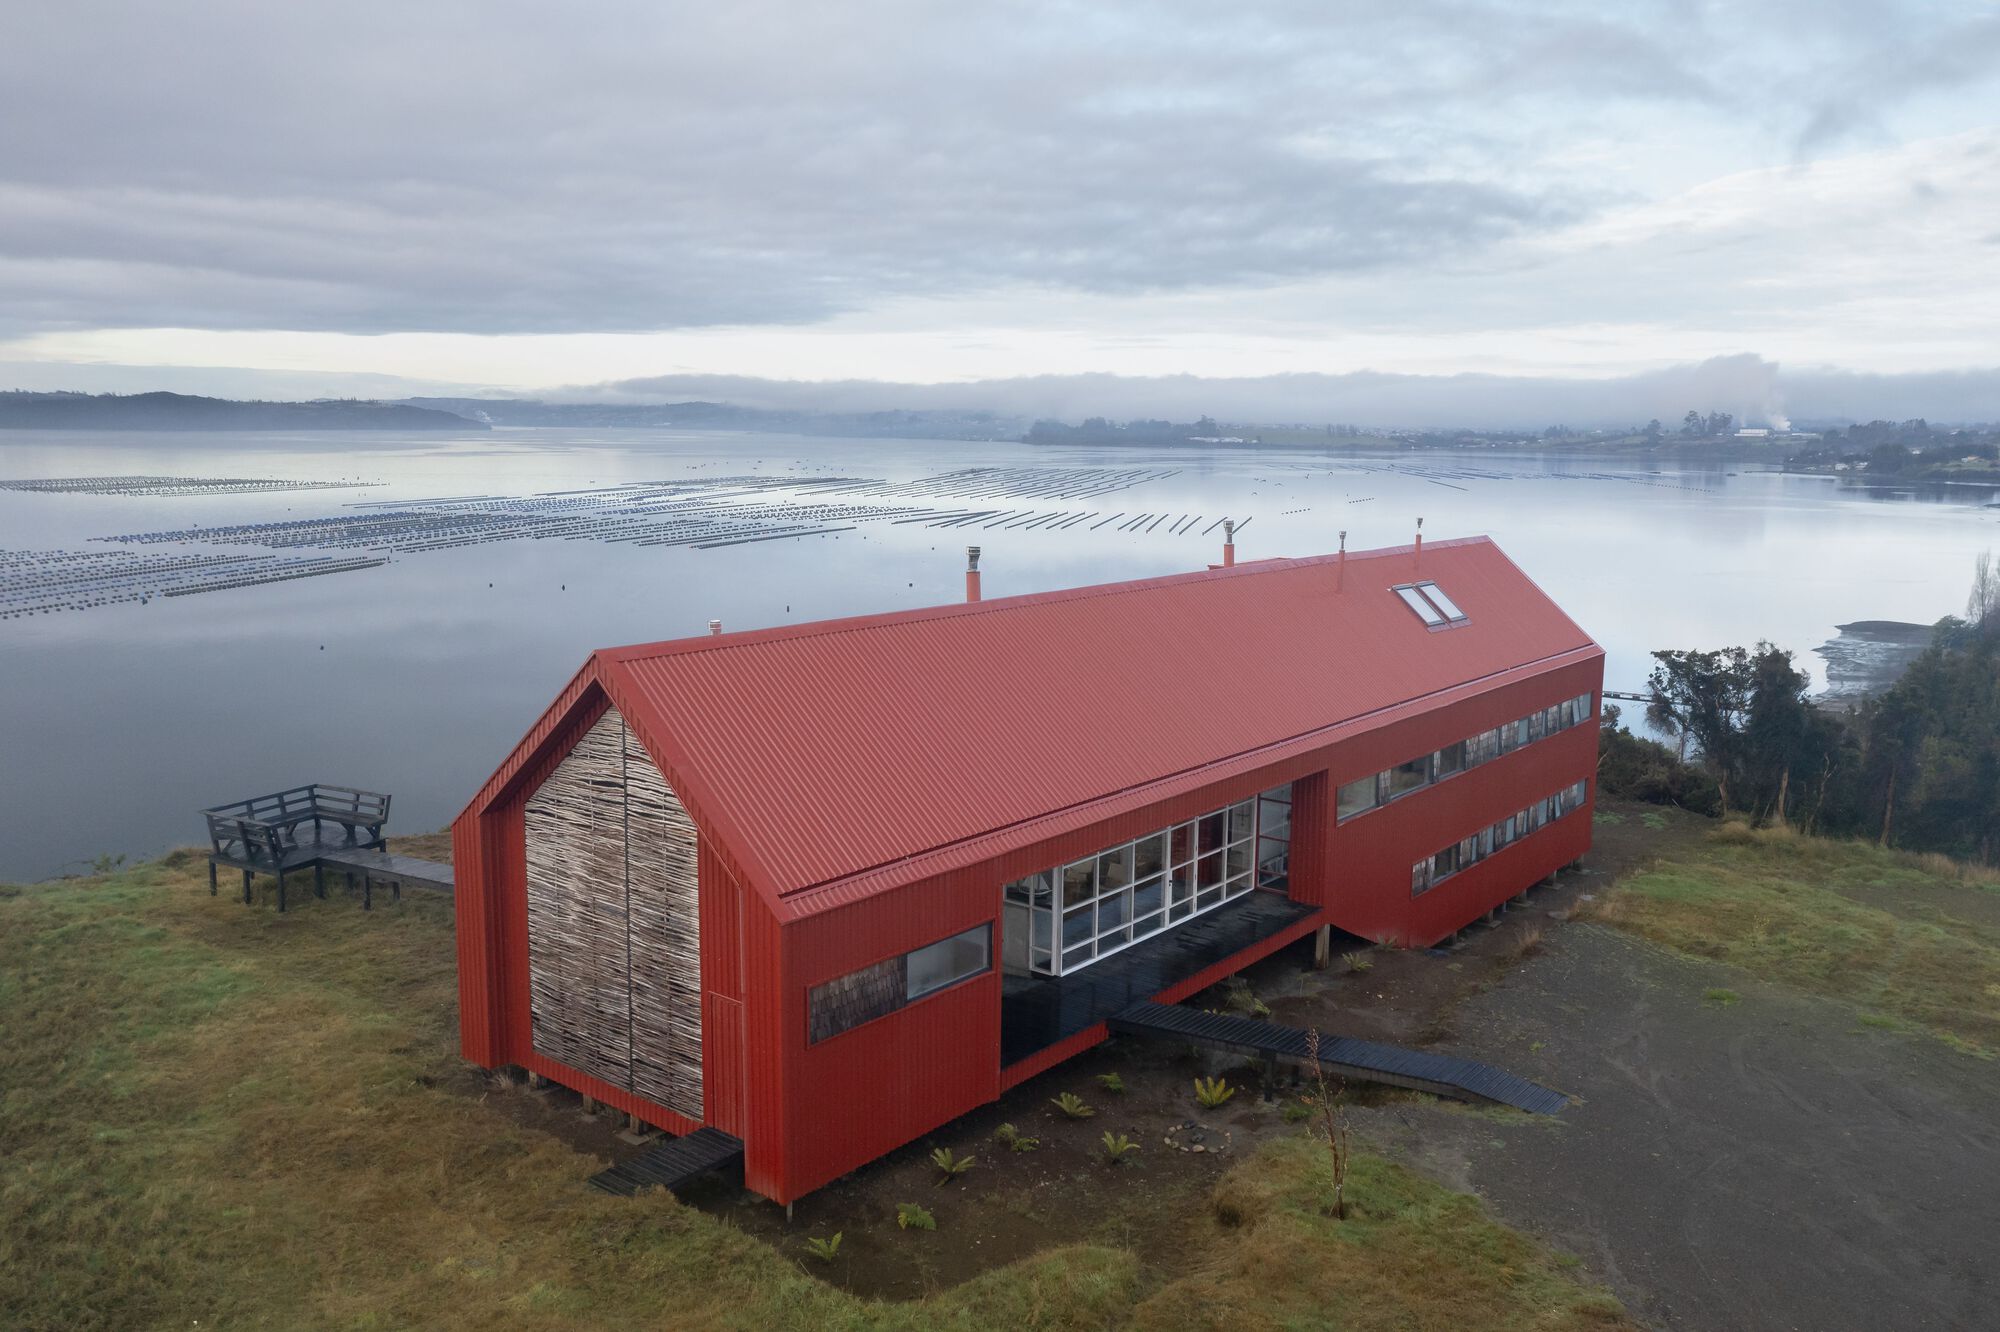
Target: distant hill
[[21, 410], [955, 425]]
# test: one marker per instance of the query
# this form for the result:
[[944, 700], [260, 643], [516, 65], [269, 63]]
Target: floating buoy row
[[45, 582], [167, 486]]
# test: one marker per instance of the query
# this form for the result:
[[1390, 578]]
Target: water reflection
[[417, 677]]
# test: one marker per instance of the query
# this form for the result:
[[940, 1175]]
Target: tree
[[1653, 431], [1982, 606], [1691, 423], [1705, 695]]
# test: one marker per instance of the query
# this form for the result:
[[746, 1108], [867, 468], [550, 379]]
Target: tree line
[[1918, 767]]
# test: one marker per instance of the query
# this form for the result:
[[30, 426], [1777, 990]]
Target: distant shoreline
[[179, 411]]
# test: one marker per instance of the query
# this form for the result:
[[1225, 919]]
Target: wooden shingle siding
[[614, 951]]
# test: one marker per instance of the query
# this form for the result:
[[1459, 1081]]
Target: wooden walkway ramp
[[390, 867], [1341, 1056], [673, 1163]]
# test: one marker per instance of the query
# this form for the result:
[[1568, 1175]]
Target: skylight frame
[[1432, 605]]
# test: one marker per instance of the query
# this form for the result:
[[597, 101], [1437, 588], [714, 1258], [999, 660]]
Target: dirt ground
[[1764, 1163]]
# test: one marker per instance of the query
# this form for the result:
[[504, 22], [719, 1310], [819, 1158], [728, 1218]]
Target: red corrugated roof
[[818, 753]]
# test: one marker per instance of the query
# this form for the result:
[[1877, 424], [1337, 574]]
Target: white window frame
[[1114, 922]]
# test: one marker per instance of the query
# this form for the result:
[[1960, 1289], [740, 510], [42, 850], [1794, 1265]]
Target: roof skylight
[[1431, 605], [1426, 612]]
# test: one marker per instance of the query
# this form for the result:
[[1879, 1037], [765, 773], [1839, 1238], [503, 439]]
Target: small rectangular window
[[949, 961], [1449, 760], [1483, 748], [1407, 777], [1357, 797], [1420, 877], [1416, 601]]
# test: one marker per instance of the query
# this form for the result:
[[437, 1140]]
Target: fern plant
[[1072, 1105], [950, 1164], [1212, 1092], [1112, 1083], [1117, 1147], [1015, 1140], [826, 1250], [1357, 960], [909, 1216]]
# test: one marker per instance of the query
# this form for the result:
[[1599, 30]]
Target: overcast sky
[[379, 197]]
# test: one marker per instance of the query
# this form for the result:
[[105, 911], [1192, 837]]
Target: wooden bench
[[266, 834]]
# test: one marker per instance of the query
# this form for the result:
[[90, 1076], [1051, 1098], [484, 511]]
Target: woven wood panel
[[614, 947], [665, 937]]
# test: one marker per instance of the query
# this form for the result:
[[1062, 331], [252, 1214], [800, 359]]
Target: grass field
[[1911, 940], [217, 1116]]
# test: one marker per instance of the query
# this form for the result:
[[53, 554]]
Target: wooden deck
[[316, 827]]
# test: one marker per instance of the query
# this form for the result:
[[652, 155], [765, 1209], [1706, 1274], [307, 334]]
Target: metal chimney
[[715, 627], [972, 573], [1228, 542]]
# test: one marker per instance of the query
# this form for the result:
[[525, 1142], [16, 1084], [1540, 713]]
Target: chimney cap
[[715, 626], [972, 557]]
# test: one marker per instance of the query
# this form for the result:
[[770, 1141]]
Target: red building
[[827, 887]]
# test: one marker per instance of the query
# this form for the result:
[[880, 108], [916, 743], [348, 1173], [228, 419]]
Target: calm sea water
[[118, 723]]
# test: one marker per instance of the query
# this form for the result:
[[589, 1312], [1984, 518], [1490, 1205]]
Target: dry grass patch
[[1917, 937], [1411, 1254]]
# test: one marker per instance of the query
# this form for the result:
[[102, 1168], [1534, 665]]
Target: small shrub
[[1527, 943], [909, 1216], [950, 1164], [1015, 1140], [1296, 1112], [1117, 1147], [1112, 1083], [1721, 998], [1212, 1092], [1357, 961], [826, 1250], [1072, 1105]]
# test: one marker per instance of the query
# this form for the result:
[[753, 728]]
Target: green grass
[[223, 1117], [1915, 939], [1721, 998]]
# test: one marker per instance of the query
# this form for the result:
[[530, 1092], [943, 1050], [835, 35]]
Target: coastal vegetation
[[1918, 767]]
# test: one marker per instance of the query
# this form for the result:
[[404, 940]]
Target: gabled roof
[[840, 757]]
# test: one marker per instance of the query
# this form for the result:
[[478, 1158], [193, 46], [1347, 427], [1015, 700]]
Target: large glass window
[[1127, 893], [1274, 837]]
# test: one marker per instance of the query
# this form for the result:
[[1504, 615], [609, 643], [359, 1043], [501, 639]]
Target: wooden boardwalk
[[1342, 1057]]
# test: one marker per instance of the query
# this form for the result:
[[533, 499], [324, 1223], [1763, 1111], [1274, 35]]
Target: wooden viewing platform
[[316, 827]]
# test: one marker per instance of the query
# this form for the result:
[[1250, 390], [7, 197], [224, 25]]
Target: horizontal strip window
[[1378, 789], [876, 991], [1463, 854]]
